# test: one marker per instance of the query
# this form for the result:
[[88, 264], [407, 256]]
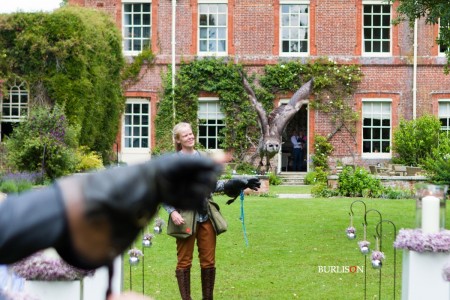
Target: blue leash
[[242, 218]]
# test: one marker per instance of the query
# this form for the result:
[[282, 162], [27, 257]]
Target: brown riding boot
[[208, 278], [184, 283]]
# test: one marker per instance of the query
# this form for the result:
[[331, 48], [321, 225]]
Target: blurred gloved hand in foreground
[[90, 219]]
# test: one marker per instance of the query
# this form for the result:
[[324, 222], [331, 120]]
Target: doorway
[[298, 123]]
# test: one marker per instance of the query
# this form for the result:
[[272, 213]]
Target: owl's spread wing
[[279, 117], [263, 122]]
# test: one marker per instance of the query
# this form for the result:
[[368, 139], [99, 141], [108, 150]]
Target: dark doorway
[[299, 123]]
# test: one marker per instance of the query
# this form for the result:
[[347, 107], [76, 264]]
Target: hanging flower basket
[[364, 247], [377, 259], [351, 232]]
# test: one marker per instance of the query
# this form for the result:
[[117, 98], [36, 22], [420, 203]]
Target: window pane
[[212, 20], [203, 33], [222, 20]]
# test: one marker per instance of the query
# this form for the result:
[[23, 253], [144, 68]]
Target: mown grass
[[289, 239]]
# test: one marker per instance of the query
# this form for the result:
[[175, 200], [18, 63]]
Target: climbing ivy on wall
[[333, 87], [71, 57]]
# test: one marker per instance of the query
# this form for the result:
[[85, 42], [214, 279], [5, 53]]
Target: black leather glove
[[233, 187]]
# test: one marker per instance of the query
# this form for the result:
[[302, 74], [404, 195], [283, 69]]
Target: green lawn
[[290, 189], [289, 241]]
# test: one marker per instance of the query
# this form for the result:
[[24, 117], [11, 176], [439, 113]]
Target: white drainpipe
[[415, 71], [174, 13]]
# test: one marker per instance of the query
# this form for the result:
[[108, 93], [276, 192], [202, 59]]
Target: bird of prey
[[272, 127]]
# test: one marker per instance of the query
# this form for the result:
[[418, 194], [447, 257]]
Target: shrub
[[274, 179], [437, 165], [321, 190], [88, 160], [415, 140], [8, 187], [245, 168], [310, 178], [396, 193], [358, 182], [44, 142]]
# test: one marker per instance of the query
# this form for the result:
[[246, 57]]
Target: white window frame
[[142, 26], [140, 136], [378, 54], [378, 155], [442, 115], [295, 54], [15, 96], [219, 115], [212, 53]]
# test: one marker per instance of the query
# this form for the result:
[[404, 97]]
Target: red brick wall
[[335, 32]]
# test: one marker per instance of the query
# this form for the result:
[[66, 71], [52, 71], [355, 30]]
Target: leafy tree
[[72, 57], [414, 140], [434, 12]]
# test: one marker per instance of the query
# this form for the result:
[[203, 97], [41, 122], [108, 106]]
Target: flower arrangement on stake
[[377, 256], [41, 267], [147, 239], [159, 223], [134, 254], [351, 231], [364, 244]]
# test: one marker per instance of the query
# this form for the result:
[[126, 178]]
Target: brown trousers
[[206, 244]]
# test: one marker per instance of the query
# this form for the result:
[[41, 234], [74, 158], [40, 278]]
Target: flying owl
[[272, 127]]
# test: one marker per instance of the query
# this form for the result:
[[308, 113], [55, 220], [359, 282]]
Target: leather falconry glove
[[233, 187], [90, 219]]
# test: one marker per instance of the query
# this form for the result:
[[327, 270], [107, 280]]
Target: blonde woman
[[204, 231]]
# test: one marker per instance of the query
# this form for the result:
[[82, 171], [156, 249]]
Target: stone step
[[292, 178]]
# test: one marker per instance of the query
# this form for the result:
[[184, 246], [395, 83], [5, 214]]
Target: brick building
[[399, 81]]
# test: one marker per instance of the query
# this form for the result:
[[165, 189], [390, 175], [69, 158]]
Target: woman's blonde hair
[[176, 132]]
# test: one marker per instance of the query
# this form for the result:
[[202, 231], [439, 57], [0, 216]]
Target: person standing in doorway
[[296, 151], [302, 142]]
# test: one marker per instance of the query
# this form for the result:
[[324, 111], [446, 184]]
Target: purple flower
[[377, 255], [135, 252], [148, 236], [159, 222], [40, 267], [416, 240], [446, 272]]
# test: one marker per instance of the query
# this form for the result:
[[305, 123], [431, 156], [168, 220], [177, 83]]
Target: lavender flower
[[351, 229], [351, 232], [446, 272], [416, 240], [40, 267], [364, 247], [148, 236], [159, 222], [134, 252], [377, 255]]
